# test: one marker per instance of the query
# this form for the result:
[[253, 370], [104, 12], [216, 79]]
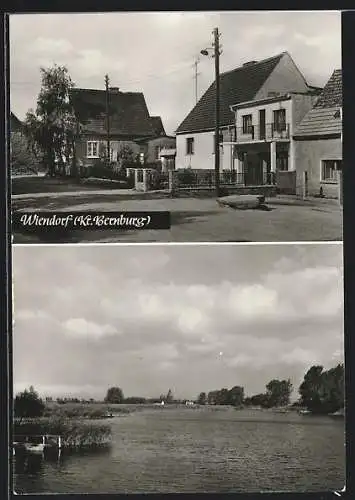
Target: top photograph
[[175, 127]]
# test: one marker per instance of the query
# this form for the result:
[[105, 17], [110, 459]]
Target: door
[[253, 171], [262, 124]]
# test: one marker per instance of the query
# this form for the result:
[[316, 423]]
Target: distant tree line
[[322, 391]]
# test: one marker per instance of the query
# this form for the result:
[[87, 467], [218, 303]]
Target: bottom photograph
[[178, 369]]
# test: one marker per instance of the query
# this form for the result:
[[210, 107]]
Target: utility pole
[[196, 74], [217, 147], [108, 155]]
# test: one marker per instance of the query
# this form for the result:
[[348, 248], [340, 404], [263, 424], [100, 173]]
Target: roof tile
[[236, 86], [129, 114], [324, 117]]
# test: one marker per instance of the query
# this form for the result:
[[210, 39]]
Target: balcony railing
[[206, 178], [271, 131]]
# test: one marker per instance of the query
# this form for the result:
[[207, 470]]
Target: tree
[[202, 398], [257, 400], [310, 388], [114, 395], [28, 404], [323, 391], [279, 392], [22, 156], [125, 156], [236, 396], [53, 126]]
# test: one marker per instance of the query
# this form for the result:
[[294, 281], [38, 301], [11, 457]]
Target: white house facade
[[253, 92], [264, 145]]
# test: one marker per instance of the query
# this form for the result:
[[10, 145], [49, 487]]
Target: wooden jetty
[[30, 444]]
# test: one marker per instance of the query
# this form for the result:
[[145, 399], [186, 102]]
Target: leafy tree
[[236, 396], [52, 128], [28, 404], [125, 156], [279, 392], [257, 400], [114, 395], [323, 391], [202, 398], [310, 387], [22, 156]]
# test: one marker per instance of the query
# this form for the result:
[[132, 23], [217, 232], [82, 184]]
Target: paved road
[[201, 220]]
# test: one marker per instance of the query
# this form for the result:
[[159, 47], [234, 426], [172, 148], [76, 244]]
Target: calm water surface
[[199, 450]]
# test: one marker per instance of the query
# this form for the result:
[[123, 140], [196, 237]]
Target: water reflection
[[35, 464], [181, 451]]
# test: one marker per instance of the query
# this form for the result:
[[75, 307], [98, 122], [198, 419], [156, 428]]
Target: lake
[[181, 450]]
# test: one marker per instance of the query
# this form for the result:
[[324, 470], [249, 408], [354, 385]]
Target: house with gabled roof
[[318, 142], [246, 85], [130, 124]]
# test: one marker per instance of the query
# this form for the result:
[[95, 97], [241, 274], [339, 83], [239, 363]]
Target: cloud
[[81, 328], [91, 45], [30, 314], [50, 46], [299, 356], [146, 317]]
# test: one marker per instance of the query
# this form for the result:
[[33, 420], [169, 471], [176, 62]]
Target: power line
[[127, 82]]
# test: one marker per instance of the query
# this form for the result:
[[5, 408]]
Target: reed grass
[[75, 434]]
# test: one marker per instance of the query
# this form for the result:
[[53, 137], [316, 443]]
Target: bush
[[28, 404], [186, 176], [103, 171]]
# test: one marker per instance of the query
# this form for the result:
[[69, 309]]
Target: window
[[282, 162], [279, 120], [247, 124], [330, 169], [190, 146], [92, 149], [220, 141]]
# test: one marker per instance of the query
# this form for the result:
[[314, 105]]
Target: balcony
[[270, 132]]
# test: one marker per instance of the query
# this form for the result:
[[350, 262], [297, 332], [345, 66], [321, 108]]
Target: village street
[[194, 219]]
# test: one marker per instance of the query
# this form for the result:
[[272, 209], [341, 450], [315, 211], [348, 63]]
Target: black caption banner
[[63, 221]]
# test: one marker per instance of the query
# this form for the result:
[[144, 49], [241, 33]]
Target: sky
[[186, 318], [154, 53]]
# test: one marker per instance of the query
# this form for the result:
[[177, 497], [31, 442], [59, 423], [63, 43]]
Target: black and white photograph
[[231, 122], [178, 368]]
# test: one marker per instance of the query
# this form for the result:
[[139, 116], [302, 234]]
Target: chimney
[[114, 90], [249, 63]]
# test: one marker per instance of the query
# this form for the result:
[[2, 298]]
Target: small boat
[[34, 448], [305, 412]]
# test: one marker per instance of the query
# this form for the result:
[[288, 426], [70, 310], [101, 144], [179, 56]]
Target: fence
[[206, 179]]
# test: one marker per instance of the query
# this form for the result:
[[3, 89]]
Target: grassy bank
[[82, 410], [75, 434]]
